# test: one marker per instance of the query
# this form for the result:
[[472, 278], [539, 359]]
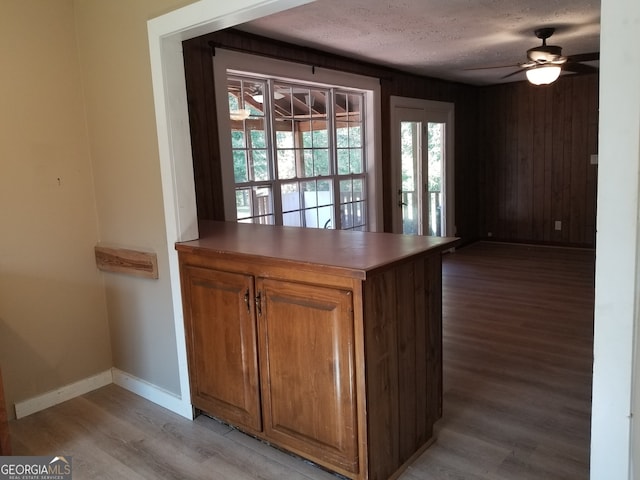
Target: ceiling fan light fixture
[[259, 97], [239, 114], [544, 74]]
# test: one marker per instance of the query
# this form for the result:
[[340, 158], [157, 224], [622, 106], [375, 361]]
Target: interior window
[[298, 153]]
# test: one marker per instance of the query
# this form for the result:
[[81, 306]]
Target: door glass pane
[[436, 155], [408, 196]]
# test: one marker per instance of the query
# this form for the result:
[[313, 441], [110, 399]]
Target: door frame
[[444, 110]]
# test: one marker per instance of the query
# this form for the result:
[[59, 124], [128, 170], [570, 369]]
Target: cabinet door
[[307, 371], [222, 345]]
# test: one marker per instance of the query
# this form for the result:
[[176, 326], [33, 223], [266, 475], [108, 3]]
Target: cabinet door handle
[[246, 300], [259, 303]]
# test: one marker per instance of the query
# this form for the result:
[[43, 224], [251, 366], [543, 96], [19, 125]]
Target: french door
[[422, 166]]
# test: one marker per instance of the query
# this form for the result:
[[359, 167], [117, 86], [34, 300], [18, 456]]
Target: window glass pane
[[359, 214], [243, 203], [255, 109], [258, 137], [237, 139], [354, 106], [308, 163], [240, 166], [253, 202], [343, 161], [353, 213], [234, 103], [355, 137], [284, 138], [305, 134], [325, 217], [310, 197], [325, 192], [290, 197], [320, 162], [321, 137], [286, 164], [355, 161], [253, 96], [346, 215], [260, 165], [346, 191], [342, 137], [358, 188], [310, 217], [282, 99], [291, 219]]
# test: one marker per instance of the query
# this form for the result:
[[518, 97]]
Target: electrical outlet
[[593, 159], [558, 225], [489, 234]]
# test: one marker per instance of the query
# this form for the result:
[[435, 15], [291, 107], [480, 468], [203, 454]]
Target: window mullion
[[272, 151], [333, 157]]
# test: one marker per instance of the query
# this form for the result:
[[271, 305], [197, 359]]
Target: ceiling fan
[[545, 62]]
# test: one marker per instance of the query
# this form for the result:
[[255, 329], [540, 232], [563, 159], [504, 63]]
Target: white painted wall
[[616, 313]]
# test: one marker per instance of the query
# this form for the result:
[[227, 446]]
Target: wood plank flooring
[[518, 335]]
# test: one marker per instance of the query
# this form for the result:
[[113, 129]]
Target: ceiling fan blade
[[585, 57], [491, 68], [579, 68], [514, 73]]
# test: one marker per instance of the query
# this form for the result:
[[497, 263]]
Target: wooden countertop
[[357, 252]]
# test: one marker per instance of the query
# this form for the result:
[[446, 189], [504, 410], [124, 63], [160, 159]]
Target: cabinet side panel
[[403, 362], [424, 427], [380, 300], [407, 322], [434, 338]]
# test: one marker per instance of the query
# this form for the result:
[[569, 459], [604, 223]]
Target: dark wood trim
[[205, 143]]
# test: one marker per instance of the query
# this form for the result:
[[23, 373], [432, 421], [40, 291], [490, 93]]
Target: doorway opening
[[422, 156]]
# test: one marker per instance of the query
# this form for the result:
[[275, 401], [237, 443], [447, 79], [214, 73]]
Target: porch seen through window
[[298, 153]]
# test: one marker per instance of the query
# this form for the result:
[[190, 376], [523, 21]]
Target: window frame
[[228, 62]]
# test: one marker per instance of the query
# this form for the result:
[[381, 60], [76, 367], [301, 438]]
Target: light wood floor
[[518, 336]]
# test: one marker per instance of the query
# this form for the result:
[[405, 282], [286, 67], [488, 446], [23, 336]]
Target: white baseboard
[[152, 393], [136, 385], [62, 394]]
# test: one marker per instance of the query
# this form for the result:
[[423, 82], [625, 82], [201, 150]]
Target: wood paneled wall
[[205, 146], [521, 152], [534, 149]]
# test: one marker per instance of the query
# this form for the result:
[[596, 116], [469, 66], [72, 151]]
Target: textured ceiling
[[438, 38]]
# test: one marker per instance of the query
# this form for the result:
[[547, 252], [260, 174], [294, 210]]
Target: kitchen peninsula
[[326, 343]]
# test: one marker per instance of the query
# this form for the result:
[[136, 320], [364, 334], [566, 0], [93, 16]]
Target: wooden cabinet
[[308, 371], [325, 343], [221, 334]]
